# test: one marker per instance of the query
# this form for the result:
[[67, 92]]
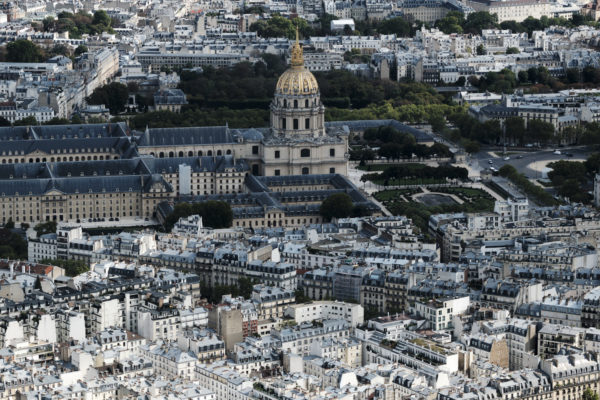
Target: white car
[[557, 152], [506, 158]]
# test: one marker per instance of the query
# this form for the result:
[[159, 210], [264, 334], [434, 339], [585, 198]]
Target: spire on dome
[[297, 56]]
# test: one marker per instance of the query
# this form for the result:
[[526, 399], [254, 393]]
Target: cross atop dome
[[297, 55]]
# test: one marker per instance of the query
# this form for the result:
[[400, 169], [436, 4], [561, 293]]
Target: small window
[[307, 123], [332, 152], [332, 170], [295, 103], [277, 172], [305, 153], [254, 149], [295, 123], [277, 154], [305, 171], [283, 124], [306, 103]]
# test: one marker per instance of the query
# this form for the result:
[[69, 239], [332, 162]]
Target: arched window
[[190, 153], [284, 103], [181, 154], [305, 153], [306, 103], [295, 103], [209, 153], [219, 153], [171, 155], [161, 155], [199, 153], [305, 171], [228, 152]]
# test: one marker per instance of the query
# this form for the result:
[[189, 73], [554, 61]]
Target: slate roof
[[81, 131], [185, 136]]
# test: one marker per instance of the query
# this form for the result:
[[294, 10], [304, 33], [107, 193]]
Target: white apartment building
[[347, 351], [512, 210], [514, 10], [158, 324], [226, 383], [298, 339], [440, 312], [170, 361], [70, 325], [323, 310]]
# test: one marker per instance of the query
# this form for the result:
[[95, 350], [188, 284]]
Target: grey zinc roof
[[121, 146], [198, 164], [86, 184], [81, 131], [185, 136]]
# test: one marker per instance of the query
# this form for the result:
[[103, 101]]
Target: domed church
[[298, 142]]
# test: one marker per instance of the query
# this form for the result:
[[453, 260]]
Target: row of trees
[[420, 171], [491, 132], [394, 144], [80, 23], [215, 214], [24, 50], [536, 79], [572, 178], [538, 194], [455, 22]]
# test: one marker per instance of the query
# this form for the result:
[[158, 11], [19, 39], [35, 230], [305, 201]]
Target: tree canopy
[[215, 214], [114, 95], [12, 245], [79, 24], [338, 205], [24, 50]]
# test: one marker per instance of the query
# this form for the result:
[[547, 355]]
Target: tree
[[471, 146], [397, 25], [38, 284], [539, 131], [60, 50], [57, 121], [589, 394], [338, 205], [481, 51], [215, 214], [45, 227], [114, 96], [512, 50], [515, 129], [573, 75], [523, 76], [10, 224], [24, 50], [80, 50], [4, 122], [451, 23], [480, 20], [26, 121], [12, 245], [71, 267], [101, 18]]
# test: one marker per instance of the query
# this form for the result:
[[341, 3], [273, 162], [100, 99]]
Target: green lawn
[[475, 200]]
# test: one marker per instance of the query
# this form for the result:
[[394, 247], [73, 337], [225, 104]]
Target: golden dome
[[297, 80]]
